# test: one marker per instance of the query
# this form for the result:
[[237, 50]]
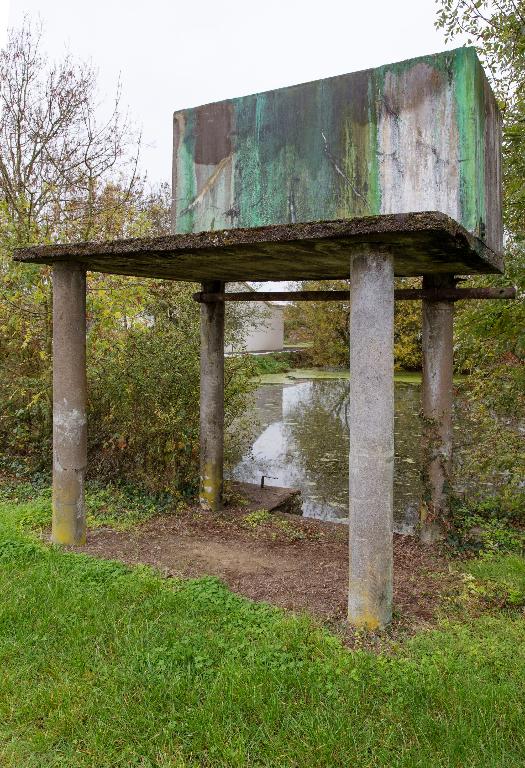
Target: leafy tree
[[54, 152], [66, 176], [490, 335], [497, 29], [326, 325], [58, 170], [144, 393]]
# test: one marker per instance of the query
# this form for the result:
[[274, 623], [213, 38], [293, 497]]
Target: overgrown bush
[[278, 362], [486, 526], [143, 387], [490, 347], [66, 177], [144, 394], [490, 335]]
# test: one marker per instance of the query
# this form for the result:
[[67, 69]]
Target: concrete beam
[[371, 438], [400, 294], [212, 400], [69, 403], [437, 340]]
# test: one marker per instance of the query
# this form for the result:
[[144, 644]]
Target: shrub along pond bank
[[105, 665]]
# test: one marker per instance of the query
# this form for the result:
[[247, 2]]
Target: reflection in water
[[302, 442]]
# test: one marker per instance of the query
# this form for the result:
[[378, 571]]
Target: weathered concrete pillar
[[212, 399], [69, 403], [371, 438], [438, 318]]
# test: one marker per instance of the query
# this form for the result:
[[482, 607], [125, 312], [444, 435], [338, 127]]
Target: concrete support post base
[[212, 400], [438, 319], [69, 404], [371, 439]]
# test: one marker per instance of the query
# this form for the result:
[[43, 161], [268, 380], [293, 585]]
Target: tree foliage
[[66, 176], [326, 325], [323, 323], [490, 335], [54, 153], [144, 392], [497, 29]]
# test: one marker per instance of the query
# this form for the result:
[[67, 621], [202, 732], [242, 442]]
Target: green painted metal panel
[[418, 135]]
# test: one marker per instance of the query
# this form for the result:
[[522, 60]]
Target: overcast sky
[[171, 54]]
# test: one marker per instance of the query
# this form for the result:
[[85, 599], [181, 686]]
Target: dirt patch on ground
[[292, 562]]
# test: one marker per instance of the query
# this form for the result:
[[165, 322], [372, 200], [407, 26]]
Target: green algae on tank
[[417, 135]]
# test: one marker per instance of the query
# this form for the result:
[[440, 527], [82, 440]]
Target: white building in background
[[263, 322]]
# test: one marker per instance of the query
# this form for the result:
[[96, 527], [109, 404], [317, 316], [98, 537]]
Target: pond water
[[302, 442]]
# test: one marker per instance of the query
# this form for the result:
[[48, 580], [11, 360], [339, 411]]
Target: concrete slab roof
[[421, 243]]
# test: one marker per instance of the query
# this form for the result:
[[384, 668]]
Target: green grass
[[284, 377], [498, 577], [121, 507], [500, 569], [102, 665]]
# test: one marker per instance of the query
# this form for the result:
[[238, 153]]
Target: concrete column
[[371, 438], [438, 317], [69, 403], [212, 399]]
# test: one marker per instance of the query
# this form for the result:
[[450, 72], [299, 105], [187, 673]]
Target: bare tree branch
[[56, 156]]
